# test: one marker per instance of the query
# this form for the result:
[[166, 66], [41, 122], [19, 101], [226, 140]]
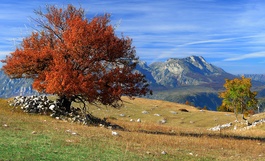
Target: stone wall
[[42, 105]]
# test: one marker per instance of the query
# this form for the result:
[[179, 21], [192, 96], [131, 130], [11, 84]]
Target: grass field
[[183, 137]]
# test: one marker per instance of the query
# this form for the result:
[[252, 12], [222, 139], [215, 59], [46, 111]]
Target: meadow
[[184, 136]]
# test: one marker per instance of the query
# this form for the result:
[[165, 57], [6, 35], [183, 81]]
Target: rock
[[109, 127], [173, 112], [148, 152], [32, 104], [114, 133], [163, 153], [122, 115], [176, 72], [69, 131], [226, 125], [144, 112], [138, 120], [52, 107], [156, 114], [69, 141], [42, 105], [219, 127], [163, 121]]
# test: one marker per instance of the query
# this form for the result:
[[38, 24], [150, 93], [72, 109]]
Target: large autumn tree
[[77, 58], [238, 96]]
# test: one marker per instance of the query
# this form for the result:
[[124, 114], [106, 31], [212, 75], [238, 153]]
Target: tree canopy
[[77, 58], [238, 96]]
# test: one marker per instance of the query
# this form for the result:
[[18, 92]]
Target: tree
[[77, 59], [238, 96]]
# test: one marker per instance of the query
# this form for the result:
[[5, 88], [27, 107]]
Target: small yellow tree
[[238, 96]]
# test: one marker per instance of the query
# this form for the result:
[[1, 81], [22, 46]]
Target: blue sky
[[227, 33]]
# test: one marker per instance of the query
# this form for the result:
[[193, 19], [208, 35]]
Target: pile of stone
[[220, 127], [33, 104], [248, 125], [258, 122], [254, 124], [42, 105]]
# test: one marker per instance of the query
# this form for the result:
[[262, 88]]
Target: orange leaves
[[73, 56], [94, 38]]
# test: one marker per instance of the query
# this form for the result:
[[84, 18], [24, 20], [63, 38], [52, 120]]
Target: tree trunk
[[66, 103]]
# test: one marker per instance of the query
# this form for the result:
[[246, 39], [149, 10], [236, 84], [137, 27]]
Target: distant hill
[[256, 77], [14, 87], [197, 96]]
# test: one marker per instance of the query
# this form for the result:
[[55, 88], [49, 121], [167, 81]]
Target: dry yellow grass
[[180, 146]]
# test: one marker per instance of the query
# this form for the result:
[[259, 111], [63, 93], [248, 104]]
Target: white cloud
[[247, 56], [224, 30], [4, 53]]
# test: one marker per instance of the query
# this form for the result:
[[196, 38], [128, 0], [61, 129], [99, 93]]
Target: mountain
[[256, 77], [258, 81], [14, 87], [190, 71], [143, 68], [190, 79]]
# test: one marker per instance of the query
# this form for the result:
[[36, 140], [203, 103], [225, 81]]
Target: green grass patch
[[37, 137]]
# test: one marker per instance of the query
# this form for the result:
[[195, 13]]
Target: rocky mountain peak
[[193, 70], [197, 61], [194, 64]]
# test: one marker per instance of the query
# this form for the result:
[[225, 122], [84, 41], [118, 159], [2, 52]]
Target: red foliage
[[77, 58]]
